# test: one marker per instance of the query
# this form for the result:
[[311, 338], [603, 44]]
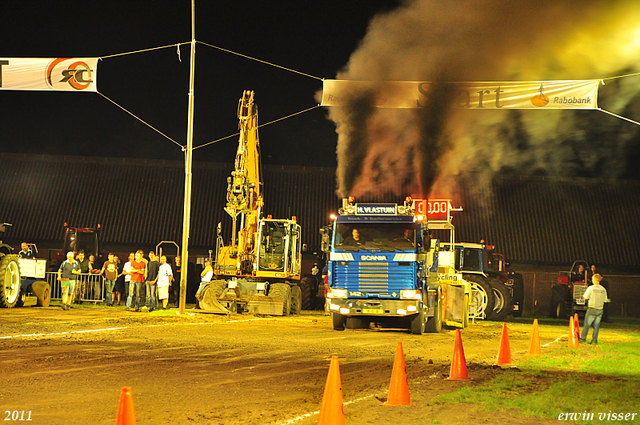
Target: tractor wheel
[[42, 289], [296, 299], [518, 294], [282, 290], [434, 324], [339, 321], [9, 280], [305, 287], [482, 298], [419, 322], [558, 305], [502, 304]]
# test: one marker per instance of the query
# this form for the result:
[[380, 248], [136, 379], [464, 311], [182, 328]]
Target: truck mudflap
[[456, 303]]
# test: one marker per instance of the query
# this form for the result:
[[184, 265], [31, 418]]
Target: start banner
[[58, 74], [568, 94]]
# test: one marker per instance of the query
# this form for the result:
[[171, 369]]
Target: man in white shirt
[[597, 296], [164, 279]]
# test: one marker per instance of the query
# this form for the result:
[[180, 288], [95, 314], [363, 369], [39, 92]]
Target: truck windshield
[[379, 236]]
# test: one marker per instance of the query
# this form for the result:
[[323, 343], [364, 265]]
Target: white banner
[[58, 74], [569, 94]]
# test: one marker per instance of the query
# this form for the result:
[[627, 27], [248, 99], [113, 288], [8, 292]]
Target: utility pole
[[188, 163]]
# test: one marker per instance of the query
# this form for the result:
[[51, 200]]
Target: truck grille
[[375, 278]]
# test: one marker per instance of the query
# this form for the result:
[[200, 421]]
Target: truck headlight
[[410, 294], [337, 293]]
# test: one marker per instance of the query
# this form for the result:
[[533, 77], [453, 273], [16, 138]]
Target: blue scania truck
[[384, 269]]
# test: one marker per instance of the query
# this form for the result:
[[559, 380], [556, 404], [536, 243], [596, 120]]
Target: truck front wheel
[[339, 321], [419, 323]]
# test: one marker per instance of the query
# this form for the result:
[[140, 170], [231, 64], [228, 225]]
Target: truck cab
[[379, 270]]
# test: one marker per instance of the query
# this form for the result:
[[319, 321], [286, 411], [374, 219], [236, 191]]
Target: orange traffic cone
[[534, 343], [458, 363], [126, 413], [399, 388], [576, 326], [574, 341], [331, 409], [504, 353]]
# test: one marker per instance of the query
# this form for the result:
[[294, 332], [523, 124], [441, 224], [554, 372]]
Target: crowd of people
[[121, 281]]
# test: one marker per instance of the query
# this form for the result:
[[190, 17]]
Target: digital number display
[[434, 209]]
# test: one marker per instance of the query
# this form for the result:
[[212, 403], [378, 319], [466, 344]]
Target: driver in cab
[[355, 239]]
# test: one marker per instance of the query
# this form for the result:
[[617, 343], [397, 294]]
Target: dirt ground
[[69, 367]]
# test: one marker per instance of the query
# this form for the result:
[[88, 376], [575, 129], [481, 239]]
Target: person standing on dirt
[[151, 282], [126, 272], [118, 289], [138, 275], [164, 281], [69, 269], [85, 268], [110, 271], [176, 269], [597, 296]]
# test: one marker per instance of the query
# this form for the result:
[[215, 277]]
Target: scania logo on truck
[[373, 258]]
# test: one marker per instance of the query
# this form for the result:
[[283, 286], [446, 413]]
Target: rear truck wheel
[[9, 280], [339, 321], [282, 290], [419, 322], [434, 324], [42, 290], [558, 307], [305, 287], [518, 295], [502, 303], [482, 298], [296, 299]]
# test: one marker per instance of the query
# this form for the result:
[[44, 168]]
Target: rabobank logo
[[64, 72], [540, 99], [373, 258]]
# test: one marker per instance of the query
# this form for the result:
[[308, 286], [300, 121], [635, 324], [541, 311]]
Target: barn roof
[[140, 203]]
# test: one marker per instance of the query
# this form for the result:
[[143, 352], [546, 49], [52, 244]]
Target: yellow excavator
[[259, 270]]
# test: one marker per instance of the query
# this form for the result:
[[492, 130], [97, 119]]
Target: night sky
[[313, 37]]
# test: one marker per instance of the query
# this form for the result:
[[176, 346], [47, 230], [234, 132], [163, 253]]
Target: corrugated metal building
[[140, 203]]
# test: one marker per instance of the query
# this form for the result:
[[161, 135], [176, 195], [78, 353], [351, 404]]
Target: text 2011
[[17, 415]]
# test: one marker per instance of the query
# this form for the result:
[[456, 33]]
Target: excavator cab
[[279, 250]]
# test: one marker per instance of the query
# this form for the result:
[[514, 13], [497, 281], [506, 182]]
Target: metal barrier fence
[[89, 287]]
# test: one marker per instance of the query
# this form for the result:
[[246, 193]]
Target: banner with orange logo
[[58, 74], [568, 94]]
